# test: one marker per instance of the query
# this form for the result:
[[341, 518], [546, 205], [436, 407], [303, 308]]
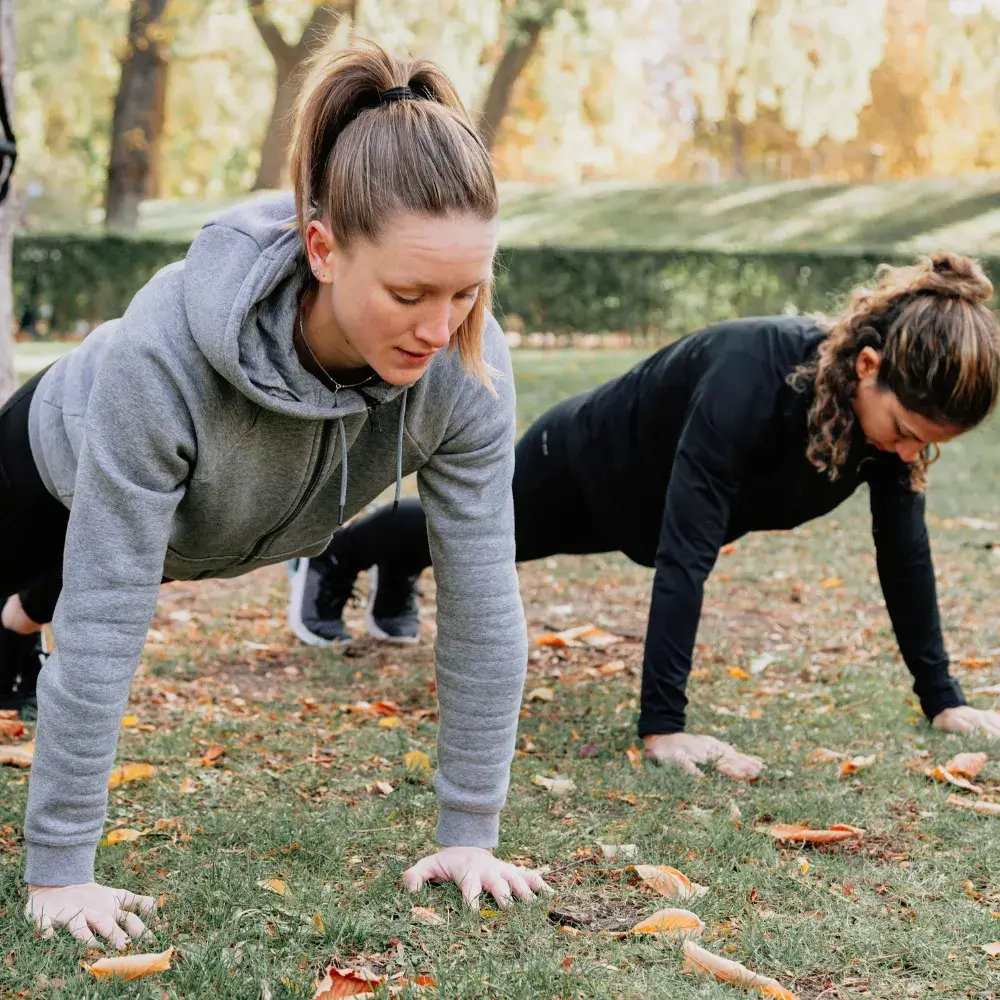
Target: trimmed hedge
[[74, 282]]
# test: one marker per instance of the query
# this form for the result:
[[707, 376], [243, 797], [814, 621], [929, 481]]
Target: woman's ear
[[867, 363], [319, 250]]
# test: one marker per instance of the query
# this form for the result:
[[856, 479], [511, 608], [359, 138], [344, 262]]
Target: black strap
[[8, 146]]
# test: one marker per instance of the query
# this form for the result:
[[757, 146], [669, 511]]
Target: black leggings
[[550, 514], [32, 521]]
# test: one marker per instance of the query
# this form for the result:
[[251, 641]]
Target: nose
[[434, 331]]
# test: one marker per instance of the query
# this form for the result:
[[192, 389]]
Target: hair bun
[[958, 276]]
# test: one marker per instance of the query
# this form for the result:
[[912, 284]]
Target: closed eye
[[405, 301]]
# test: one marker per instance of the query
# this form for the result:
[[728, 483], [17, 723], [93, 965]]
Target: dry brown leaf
[[131, 966], [831, 583], [18, 754], [634, 756], [700, 962], [612, 668], [213, 755], [581, 635], [426, 915], [384, 788], [992, 949], [121, 836], [339, 983], [967, 765], [619, 852], [855, 764], [416, 760], [823, 756], [806, 835], [12, 729], [671, 923], [940, 773], [540, 694], [317, 922], [188, 786], [130, 772], [557, 786], [669, 882], [275, 885], [976, 805]]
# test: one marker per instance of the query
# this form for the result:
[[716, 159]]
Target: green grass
[[958, 212], [902, 915]]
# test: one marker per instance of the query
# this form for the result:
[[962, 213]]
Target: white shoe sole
[[295, 623], [371, 627]]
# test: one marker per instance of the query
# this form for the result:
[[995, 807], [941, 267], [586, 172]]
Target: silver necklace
[[337, 386]]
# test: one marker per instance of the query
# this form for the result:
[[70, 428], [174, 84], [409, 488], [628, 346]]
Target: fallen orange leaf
[[634, 756], [855, 764], [130, 772], [823, 756], [831, 583], [700, 962], [18, 754], [806, 835], [672, 923], [940, 773], [977, 662], [669, 882], [426, 915], [739, 673], [188, 786], [12, 729], [728, 549], [976, 805], [390, 722], [129, 721], [339, 983], [968, 765], [581, 635], [317, 922], [211, 756], [121, 836], [276, 885], [131, 966]]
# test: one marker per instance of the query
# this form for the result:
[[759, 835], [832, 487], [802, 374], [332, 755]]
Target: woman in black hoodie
[[749, 425]]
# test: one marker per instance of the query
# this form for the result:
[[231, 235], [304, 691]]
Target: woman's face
[[886, 423], [393, 305]]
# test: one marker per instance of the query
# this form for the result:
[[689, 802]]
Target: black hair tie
[[396, 94]]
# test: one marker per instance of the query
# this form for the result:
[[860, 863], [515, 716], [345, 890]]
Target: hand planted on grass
[[473, 869], [688, 750], [88, 909], [966, 719]]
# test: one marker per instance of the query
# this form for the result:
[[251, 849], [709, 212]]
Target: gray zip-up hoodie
[[188, 441]]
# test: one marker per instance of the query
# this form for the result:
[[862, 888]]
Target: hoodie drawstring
[[342, 434], [399, 451]]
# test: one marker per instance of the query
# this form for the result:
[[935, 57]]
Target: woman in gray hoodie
[[303, 357]]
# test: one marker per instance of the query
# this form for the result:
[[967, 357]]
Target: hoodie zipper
[[314, 478]]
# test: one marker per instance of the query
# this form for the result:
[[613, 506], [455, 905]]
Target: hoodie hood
[[243, 277]]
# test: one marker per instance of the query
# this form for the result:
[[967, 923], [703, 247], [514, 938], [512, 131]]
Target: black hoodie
[[704, 441]]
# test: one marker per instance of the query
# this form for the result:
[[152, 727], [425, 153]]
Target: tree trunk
[[8, 215], [288, 62], [134, 134], [274, 151], [512, 64], [154, 177]]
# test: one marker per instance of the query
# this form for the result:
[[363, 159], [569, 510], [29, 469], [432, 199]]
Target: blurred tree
[[8, 211], [137, 123], [288, 62]]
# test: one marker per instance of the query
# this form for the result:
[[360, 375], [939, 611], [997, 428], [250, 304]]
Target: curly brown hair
[[940, 348]]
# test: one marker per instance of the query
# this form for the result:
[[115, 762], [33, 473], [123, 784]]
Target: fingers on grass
[[471, 887], [497, 886], [133, 926], [520, 887], [143, 905], [80, 929]]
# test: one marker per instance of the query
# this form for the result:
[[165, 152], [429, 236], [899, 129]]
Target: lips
[[414, 357]]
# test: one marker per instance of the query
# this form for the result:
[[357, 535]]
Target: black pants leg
[[550, 516], [32, 522]]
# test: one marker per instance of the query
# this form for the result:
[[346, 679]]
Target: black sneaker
[[319, 594], [392, 614], [21, 659]]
